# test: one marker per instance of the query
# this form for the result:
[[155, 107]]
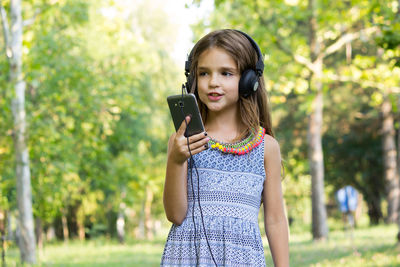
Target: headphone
[[249, 79]]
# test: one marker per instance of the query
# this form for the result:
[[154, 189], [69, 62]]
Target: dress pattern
[[230, 188]]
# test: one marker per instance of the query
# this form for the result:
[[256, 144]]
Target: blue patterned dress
[[230, 196]]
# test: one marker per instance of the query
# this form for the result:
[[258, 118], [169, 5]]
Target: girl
[[237, 162]]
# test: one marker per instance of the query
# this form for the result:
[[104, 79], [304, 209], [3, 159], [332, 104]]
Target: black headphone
[[248, 82]]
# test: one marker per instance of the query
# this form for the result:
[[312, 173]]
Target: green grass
[[100, 252], [372, 246]]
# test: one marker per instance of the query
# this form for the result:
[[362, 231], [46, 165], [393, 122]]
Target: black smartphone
[[181, 106]]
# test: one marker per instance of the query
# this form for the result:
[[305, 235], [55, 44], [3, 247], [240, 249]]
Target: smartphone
[[181, 106]]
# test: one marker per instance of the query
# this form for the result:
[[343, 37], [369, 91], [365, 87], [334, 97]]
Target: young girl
[[213, 199]]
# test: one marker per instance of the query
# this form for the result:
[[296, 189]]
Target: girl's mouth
[[214, 96]]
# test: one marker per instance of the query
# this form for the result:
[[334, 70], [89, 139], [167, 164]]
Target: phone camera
[[180, 103]]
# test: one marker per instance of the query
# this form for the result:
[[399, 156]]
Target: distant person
[[347, 198], [213, 198]]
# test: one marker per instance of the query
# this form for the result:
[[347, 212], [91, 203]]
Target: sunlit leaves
[[97, 116], [355, 78]]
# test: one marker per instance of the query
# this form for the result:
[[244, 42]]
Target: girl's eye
[[226, 73], [202, 73]]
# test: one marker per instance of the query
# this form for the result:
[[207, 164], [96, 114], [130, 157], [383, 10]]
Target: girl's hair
[[254, 110]]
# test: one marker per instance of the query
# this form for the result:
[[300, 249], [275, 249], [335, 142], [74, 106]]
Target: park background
[[84, 123]]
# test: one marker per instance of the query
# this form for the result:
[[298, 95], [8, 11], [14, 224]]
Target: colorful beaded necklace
[[242, 147]]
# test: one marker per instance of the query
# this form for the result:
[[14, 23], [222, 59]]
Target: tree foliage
[[97, 75], [355, 79], [97, 78]]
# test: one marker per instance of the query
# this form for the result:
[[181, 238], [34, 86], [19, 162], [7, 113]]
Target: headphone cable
[[192, 163]]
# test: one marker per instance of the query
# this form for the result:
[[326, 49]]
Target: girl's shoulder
[[271, 148]]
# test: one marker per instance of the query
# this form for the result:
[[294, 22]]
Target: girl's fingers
[[197, 142], [198, 149], [199, 145], [196, 137]]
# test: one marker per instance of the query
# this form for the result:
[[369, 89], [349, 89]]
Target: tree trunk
[[9, 230], [140, 232], [315, 152], [120, 224], [50, 233], [80, 222], [374, 210], [398, 135], [64, 222], [3, 222], [398, 130], [81, 230], [319, 226], [39, 233], [390, 162], [24, 195], [147, 212], [398, 151]]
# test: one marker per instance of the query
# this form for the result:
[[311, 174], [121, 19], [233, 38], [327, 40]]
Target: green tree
[[388, 18], [13, 47], [98, 119], [316, 35]]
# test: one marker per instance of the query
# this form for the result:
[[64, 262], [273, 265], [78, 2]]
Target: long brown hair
[[254, 110]]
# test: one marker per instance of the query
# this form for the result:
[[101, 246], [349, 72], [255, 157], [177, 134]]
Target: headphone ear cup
[[248, 83]]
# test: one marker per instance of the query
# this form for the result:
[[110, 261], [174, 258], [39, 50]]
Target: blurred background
[[84, 124]]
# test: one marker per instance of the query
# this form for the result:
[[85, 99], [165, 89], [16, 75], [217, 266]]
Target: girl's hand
[[179, 151]]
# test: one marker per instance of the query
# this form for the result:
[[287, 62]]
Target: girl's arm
[[175, 187], [275, 221]]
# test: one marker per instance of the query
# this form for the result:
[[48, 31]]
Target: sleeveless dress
[[230, 190]]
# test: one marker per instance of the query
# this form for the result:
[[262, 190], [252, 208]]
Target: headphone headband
[[259, 64], [260, 60]]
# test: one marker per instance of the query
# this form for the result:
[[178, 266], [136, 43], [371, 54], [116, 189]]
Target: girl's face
[[218, 80]]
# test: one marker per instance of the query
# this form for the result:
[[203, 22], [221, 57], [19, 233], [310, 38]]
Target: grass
[[371, 246], [99, 252]]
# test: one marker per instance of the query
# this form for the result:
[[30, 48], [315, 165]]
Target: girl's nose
[[214, 80]]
